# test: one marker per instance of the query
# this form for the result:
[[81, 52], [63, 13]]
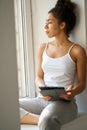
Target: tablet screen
[[54, 92], [48, 88]]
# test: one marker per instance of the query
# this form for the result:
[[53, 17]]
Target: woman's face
[[52, 27]]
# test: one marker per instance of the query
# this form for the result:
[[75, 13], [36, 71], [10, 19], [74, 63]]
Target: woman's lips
[[47, 32]]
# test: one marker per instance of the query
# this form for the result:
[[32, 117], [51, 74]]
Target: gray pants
[[53, 114]]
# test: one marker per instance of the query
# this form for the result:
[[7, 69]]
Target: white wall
[[79, 33], [9, 112], [39, 13]]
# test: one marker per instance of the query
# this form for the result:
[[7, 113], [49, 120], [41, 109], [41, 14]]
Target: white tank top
[[58, 72]]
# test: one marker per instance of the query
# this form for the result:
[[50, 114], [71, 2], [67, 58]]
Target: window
[[25, 50]]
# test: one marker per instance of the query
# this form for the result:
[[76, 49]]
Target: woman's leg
[[56, 114], [30, 109], [30, 118]]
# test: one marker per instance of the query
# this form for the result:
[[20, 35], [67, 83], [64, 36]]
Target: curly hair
[[64, 12]]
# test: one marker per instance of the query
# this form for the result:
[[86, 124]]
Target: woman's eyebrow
[[49, 20]]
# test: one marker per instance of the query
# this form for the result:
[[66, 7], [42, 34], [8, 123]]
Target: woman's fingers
[[47, 97]]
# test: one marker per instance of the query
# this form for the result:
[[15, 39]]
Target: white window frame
[[26, 35], [30, 48]]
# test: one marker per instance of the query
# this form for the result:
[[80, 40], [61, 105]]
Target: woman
[[58, 63]]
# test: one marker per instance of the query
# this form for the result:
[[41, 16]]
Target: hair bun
[[60, 3], [65, 3]]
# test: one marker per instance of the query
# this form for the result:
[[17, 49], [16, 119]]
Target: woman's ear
[[62, 25]]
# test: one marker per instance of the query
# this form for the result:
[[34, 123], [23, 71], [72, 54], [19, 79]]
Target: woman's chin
[[49, 36]]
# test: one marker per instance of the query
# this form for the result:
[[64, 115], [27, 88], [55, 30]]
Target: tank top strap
[[71, 48], [46, 46]]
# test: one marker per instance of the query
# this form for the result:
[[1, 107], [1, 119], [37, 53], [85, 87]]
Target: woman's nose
[[46, 26]]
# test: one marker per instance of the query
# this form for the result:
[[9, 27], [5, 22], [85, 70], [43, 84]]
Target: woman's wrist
[[39, 82], [41, 85]]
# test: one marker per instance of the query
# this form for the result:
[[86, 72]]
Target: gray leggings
[[53, 114]]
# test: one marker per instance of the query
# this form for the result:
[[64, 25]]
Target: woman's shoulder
[[42, 45], [78, 51], [41, 48]]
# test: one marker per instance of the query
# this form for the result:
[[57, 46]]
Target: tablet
[[54, 92]]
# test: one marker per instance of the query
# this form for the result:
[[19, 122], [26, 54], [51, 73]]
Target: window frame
[[30, 49], [23, 15]]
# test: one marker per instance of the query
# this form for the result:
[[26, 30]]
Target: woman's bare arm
[[39, 72], [81, 69], [79, 56]]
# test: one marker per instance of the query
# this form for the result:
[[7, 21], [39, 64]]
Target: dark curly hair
[[64, 12]]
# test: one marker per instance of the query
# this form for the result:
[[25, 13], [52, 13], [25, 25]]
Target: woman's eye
[[50, 22]]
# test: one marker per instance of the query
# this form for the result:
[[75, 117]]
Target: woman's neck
[[61, 41]]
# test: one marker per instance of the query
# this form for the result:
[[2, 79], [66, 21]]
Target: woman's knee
[[49, 123], [22, 113]]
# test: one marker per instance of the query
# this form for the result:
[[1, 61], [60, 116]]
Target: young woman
[[58, 63]]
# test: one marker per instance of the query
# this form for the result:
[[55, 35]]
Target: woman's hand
[[46, 97], [69, 94]]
